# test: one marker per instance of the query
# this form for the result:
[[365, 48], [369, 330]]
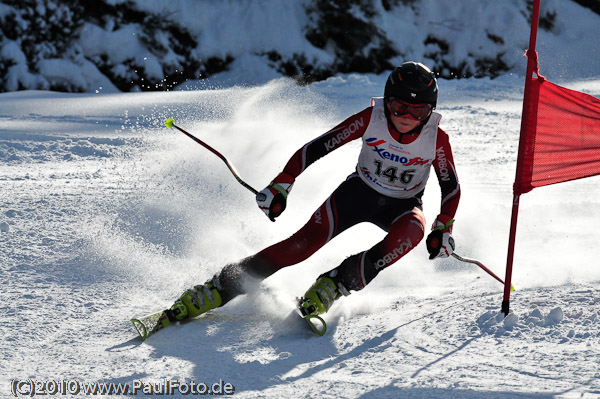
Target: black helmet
[[412, 82]]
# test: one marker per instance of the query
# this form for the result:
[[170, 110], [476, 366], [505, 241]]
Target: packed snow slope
[[106, 214]]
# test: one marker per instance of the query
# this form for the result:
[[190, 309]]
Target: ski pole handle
[[467, 260], [170, 124]]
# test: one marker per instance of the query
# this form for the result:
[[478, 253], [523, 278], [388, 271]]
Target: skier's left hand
[[440, 243], [273, 199]]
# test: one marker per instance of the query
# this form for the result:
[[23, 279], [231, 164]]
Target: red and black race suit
[[356, 201]]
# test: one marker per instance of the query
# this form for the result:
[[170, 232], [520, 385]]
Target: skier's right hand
[[273, 199]]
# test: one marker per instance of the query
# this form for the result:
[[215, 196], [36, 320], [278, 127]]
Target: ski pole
[[467, 260], [170, 124]]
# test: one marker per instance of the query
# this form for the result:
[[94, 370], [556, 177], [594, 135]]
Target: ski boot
[[194, 302], [318, 299]]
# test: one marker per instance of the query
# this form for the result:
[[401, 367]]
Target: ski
[[148, 325], [314, 322], [311, 319]]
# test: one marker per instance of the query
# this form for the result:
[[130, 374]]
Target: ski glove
[[440, 243], [273, 199]]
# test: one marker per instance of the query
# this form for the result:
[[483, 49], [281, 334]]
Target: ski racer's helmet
[[413, 83]]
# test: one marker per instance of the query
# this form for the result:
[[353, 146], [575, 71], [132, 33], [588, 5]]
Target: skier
[[401, 140]]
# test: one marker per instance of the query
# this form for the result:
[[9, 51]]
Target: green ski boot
[[317, 300], [194, 302]]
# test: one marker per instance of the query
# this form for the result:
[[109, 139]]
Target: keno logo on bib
[[374, 143]]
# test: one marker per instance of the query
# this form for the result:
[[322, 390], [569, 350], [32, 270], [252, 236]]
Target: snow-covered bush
[[32, 31], [130, 45], [74, 45], [348, 29]]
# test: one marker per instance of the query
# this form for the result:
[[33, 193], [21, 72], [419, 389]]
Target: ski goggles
[[402, 108]]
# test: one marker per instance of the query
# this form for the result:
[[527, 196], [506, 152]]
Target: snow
[[105, 214], [224, 29], [455, 38]]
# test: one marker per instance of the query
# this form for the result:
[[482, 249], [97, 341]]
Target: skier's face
[[404, 123]]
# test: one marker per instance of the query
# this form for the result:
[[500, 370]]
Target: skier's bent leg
[[355, 272], [340, 211], [238, 278]]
